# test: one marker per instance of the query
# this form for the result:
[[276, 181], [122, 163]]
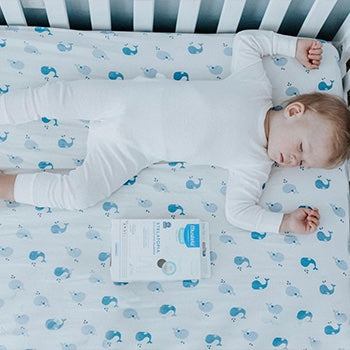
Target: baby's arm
[[301, 220], [243, 210], [250, 46], [242, 200]]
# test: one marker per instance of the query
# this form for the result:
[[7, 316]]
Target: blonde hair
[[333, 109]]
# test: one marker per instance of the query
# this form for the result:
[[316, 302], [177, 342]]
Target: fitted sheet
[[267, 291]]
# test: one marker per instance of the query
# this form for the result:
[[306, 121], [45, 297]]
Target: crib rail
[[324, 19], [229, 15]]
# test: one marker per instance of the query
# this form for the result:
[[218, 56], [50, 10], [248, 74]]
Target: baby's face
[[301, 141]]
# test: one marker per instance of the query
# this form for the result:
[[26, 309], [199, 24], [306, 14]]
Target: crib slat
[[100, 14], [346, 84], [274, 14], [230, 16], [344, 31], [13, 12], [187, 16], [143, 15], [342, 38], [316, 17], [56, 11]]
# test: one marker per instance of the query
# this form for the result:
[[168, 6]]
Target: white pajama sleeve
[[250, 46], [242, 202]]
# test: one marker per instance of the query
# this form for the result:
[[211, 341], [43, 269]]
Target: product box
[[159, 249]]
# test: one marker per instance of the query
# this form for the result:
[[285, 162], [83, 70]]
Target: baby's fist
[[301, 220]]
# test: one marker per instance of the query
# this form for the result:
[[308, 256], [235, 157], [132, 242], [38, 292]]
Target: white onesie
[[139, 123]]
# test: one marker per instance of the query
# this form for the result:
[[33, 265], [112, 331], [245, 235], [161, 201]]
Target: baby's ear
[[294, 109]]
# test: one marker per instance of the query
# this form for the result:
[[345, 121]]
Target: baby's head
[[313, 130]]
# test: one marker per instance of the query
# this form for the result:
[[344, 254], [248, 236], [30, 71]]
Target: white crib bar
[[143, 15], [13, 12], [56, 11], [346, 85], [230, 16], [187, 16], [274, 14], [100, 14], [316, 17], [342, 38]]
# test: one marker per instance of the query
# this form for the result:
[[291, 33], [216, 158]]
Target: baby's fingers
[[314, 57], [313, 220], [311, 227], [315, 213], [316, 44]]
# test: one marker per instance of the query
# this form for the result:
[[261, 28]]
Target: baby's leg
[[79, 99], [106, 167]]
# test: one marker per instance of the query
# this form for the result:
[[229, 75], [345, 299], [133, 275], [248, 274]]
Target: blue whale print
[[113, 335], [325, 290], [130, 52], [304, 315], [339, 211], [108, 206], [240, 260], [191, 185], [35, 255], [308, 261], [181, 76], [144, 335], [329, 330], [275, 309], [107, 300], [173, 208], [62, 143], [205, 306], [5, 90], [279, 341], [64, 48], [46, 70], [56, 229], [292, 91], [321, 236], [165, 309], [190, 283], [193, 50], [322, 185], [43, 30], [54, 324], [211, 338], [323, 86], [236, 311], [257, 285], [258, 235], [115, 75]]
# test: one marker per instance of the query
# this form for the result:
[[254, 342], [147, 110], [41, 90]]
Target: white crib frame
[[187, 16]]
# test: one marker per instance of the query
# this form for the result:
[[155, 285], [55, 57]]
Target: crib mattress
[[267, 291]]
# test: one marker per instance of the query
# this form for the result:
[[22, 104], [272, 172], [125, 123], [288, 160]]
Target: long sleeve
[[242, 197], [250, 46]]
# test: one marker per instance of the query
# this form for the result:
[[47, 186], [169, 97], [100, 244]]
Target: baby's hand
[[309, 53], [302, 220]]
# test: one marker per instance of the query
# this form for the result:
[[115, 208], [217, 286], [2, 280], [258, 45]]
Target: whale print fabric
[[267, 291]]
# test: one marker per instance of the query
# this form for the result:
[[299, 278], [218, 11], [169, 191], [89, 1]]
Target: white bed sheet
[[267, 291]]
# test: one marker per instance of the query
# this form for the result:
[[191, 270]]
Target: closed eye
[[301, 147]]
